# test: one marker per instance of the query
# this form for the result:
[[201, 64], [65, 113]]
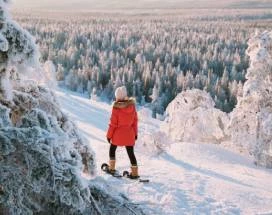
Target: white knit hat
[[121, 93]]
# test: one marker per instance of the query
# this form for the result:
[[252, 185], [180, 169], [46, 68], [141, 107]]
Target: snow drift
[[192, 117]]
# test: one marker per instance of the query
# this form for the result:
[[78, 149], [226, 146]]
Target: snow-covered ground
[[189, 178]]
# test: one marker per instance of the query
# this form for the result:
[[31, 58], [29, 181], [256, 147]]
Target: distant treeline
[[155, 57]]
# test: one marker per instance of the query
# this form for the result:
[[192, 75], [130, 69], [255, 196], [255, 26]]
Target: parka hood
[[124, 104]]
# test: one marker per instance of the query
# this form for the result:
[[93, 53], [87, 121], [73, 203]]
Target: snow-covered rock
[[250, 124], [192, 117]]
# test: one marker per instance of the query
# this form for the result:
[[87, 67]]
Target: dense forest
[[156, 57]]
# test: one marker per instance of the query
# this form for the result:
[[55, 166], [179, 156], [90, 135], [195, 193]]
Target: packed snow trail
[[189, 178]]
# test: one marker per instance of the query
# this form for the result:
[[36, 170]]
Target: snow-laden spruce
[[192, 117], [17, 49], [251, 126], [42, 155]]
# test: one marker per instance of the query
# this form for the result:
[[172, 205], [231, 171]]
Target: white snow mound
[[192, 117]]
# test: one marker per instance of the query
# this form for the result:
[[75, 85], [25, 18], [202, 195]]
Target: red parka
[[123, 126]]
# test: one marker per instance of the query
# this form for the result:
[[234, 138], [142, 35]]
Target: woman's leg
[[134, 168], [112, 152], [112, 157], [131, 155]]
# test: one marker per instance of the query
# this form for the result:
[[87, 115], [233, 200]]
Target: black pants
[[130, 151]]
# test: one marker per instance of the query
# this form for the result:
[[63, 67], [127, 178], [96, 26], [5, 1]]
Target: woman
[[123, 129]]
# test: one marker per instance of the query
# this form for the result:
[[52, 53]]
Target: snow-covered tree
[[17, 48], [251, 119]]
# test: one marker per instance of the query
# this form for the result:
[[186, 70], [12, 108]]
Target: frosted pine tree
[[16, 48], [251, 119]]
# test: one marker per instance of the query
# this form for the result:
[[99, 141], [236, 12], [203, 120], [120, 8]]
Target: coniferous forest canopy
[[155, 54]]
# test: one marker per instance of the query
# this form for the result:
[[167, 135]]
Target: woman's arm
[[113, 123]]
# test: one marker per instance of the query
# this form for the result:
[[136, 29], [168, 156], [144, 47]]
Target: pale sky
[[135, 4]]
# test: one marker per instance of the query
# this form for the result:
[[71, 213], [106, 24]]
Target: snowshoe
[[128, 175], [115, 173]]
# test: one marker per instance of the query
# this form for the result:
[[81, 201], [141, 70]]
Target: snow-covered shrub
[[192, 117], [151, 140], [251, 120], [50, 74], [4, 116], [42, 156], [153, 143], [5, 86]]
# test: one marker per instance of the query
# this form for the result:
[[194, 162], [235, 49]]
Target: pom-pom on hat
[[121, 93]]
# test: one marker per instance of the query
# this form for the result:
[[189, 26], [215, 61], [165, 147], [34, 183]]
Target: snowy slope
[[189, 178]]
